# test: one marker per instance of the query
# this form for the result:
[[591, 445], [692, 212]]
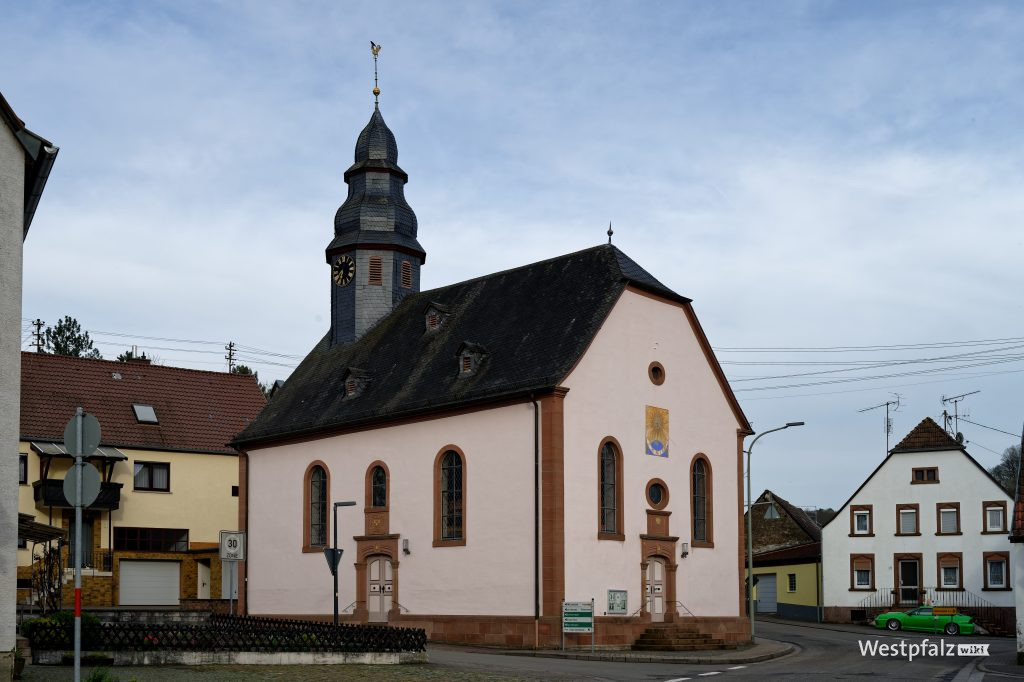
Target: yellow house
[[787, 560], [169, 482]]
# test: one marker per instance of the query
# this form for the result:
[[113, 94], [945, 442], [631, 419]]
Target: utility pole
[[956, 400], [230, 357], [38, 334], [895, 405]]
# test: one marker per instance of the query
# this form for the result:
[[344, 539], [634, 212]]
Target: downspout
[[536, 522]]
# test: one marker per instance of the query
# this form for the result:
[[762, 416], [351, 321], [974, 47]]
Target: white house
[[929, 525], [25, 163], [1017, 558], [559, 431]]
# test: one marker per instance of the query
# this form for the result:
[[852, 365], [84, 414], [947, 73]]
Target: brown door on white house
[[379, 588], [656, 589]]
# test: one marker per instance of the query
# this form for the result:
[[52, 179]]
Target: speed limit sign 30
[[232, 545]]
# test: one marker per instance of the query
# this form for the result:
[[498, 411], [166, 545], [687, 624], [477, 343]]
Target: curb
[[988, 670], [784, 649]]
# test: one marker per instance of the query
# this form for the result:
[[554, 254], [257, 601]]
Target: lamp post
[[750, 541], [336, 557]]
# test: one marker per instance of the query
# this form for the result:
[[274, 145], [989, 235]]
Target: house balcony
[[49, 492]]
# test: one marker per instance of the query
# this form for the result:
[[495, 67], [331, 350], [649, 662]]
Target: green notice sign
[[577, 616]]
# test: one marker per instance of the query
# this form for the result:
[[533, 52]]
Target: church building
[[561, 431]]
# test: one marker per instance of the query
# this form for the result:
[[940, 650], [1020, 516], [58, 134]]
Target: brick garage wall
[[96, 591]]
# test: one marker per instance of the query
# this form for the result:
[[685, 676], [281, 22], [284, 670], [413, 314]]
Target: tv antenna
[[955, 418], [890, 406]]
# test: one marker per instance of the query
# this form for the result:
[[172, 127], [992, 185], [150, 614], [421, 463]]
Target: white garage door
[[149, 583], [766, 599]]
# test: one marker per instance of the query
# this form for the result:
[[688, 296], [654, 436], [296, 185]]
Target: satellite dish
[[959, 438]]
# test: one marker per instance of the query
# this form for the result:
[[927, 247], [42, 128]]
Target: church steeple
[[375, 258]]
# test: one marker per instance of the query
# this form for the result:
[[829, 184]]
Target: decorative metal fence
[[229, 633]]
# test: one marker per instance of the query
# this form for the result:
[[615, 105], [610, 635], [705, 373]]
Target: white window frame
[[988, 573], [857, 516], [791, 582], [911, 512], [856, 577], [989, 527], [943, 511], [956, 575]]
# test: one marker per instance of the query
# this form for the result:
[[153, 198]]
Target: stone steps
[[678, 637]]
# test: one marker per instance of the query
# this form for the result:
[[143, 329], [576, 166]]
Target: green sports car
[[923, 619]]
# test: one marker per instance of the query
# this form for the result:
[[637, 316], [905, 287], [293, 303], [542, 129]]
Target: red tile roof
[[198, 411], [928, 436]]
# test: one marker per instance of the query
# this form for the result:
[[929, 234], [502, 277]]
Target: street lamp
[[750, 542], [335, 557]]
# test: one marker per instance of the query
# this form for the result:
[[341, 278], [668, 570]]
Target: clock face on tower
[[343, 270]]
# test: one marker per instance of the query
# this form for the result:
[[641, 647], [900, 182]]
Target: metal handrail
[[348, 607], [679, 603], [399, 605]]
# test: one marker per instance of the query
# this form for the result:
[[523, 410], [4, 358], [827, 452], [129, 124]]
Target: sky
[[838, 186]]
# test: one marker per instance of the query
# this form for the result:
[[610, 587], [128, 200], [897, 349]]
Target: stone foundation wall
[[521, 632]]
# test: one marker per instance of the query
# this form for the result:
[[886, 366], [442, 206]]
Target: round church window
[[657, 493]]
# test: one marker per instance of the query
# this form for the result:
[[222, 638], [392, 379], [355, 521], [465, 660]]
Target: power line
[[873, 348], [892, 363], [990, 428]]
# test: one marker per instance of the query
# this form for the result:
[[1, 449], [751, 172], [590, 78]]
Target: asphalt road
[[822, 654]]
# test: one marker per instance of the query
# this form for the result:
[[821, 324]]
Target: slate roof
[[927, 436], [533, 322], [375, 212], [802, 519], [198, 411]]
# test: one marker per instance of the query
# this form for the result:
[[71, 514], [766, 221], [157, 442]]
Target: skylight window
[[145, 414]]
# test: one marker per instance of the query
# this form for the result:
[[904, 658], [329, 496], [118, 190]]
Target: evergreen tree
[[67, 338]]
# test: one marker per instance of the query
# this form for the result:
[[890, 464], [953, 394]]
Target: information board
[[577, 616]]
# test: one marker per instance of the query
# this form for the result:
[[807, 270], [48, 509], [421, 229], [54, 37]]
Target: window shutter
[[375, 270], [406, 274]]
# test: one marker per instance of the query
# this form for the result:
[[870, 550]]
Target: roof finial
[[610, 233], [375, 49]]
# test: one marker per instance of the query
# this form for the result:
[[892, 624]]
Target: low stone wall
[[157, 615], [136, 658]]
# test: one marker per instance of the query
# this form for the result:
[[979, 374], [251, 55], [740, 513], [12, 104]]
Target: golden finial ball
[[376, 91]]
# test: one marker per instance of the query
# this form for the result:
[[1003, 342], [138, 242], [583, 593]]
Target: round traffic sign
[[90, 484], [90, 435]]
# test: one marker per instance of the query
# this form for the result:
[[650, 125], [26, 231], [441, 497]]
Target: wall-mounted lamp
[[405, 546], [686, 550]]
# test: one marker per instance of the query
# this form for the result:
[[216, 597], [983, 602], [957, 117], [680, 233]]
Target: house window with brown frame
[[862, 520], [609, 491], [947, 518], [908, 519], [150, 539], [376, 271], [997, 570], [315, 494], [950, 571], [449, 498], [994, 516], [925, 475], [23, 469], [862, 571], [153, 476], [701, 507]]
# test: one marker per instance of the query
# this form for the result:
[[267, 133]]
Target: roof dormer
[[354, 382], [435, 316], [471, 356]]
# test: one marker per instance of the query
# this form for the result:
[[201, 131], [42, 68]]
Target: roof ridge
[[489, 275], [118, 363]]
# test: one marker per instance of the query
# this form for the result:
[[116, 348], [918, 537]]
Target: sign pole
[[593, 631], [78, 545]]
